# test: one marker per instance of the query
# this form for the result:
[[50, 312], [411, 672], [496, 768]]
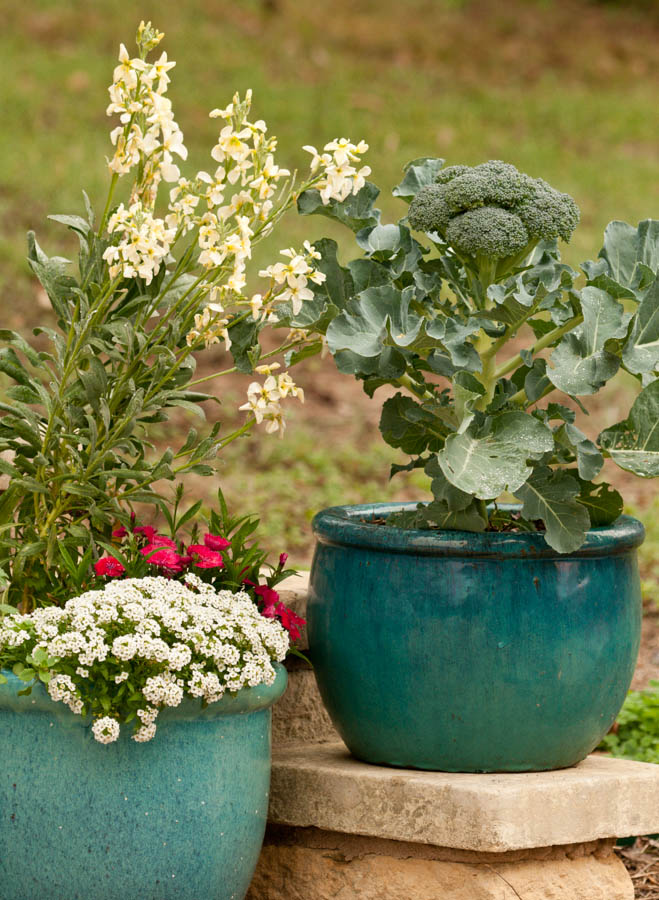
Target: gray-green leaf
[[551, 496], [380, 316], [630, 253], [634, 443], [641, 352], [487, 461], [581, 364], [418, 173]]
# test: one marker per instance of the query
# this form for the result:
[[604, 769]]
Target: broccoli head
[[492, 210]]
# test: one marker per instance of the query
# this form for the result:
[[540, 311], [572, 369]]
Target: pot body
[[182, 816], [466, 652]]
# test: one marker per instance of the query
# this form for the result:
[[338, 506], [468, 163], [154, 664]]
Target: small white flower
[[106, 730]]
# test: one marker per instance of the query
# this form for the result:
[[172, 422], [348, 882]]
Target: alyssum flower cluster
[[123, 653]]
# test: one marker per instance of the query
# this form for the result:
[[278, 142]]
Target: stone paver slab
[[324, 786]]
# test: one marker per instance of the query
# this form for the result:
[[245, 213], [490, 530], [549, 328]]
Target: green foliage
[[636, 735], [414, 311], [77, 416]]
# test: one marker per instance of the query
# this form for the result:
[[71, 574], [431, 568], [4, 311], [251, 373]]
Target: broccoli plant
[[466, 309]]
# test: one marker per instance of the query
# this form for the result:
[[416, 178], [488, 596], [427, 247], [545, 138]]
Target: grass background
[[565, 89]]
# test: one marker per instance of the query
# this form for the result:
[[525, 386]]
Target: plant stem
[[113, 184], [521, 398], [515, 361], [406, 382]]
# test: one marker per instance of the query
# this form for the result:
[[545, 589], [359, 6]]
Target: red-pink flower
[[216, 542], [282, 559], [120, 532], [160, 540], [205, 558], [109, 567], [165, 557], [269, 598], [290, 621], [149, 533]]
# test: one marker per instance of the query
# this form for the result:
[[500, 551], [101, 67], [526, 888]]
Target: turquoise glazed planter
[[467, 652], [182, 816]]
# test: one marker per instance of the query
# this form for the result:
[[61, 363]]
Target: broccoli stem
[[505, 266], [521, 399], [414, 388], [550, 338], [486, 376]]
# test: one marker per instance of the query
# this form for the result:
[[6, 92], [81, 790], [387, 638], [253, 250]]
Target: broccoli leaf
[[551, 496], [631, 255], [589, 457], [367, 273], [418, 173], [408, 426], [392, 245], [454, 335], [581, 364], [378, 370], [634, 444], [442, 489], [381, 316], [438, 514], [604, 503], [641, 352], [486, 461]]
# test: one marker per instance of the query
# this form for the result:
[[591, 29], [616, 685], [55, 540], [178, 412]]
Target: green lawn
[[566, 90]]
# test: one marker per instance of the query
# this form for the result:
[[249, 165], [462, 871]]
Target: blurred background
[[564, 89]]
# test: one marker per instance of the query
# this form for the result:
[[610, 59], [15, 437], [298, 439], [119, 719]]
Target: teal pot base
[[181, 817], [463, 652]]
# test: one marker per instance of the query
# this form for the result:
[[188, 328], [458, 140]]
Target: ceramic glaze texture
[[182, 816], [471, 652]]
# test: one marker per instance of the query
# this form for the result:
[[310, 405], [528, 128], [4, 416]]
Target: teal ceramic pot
[[467, 652], [182, 816]]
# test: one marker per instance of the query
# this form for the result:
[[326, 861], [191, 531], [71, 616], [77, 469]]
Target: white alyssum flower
[[166, 639], [106, 730]]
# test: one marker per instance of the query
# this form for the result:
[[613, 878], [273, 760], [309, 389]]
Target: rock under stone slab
[[326, 868]]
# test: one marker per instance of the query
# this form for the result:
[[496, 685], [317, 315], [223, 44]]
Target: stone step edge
[[323, 786]]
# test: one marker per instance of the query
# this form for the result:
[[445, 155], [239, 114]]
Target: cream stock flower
[[149, 135], [339, 177], [145, 242], [263, 399]]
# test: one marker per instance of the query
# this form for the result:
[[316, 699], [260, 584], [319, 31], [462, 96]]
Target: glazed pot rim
[[345, 526], [246, 700]]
